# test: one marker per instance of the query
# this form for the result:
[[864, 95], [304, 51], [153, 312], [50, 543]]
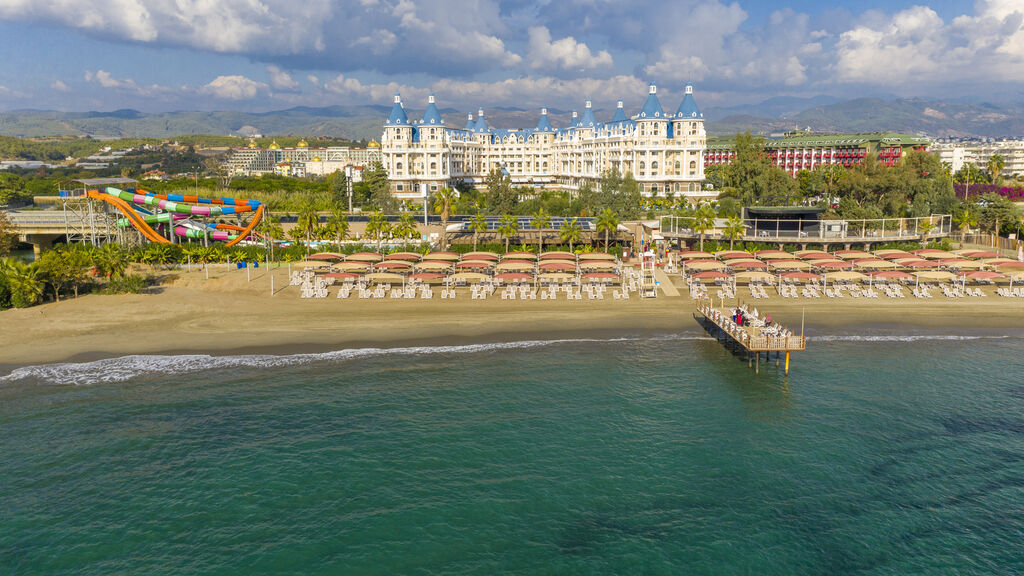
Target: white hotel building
[[663, 151]]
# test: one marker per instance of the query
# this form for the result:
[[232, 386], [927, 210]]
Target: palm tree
[[607, 222], [540, 221], [406, 227], [338, 224], [570, 233], [965, 219], [508, 227], [703, 220], [110, 260], [308, 222], [477, 224], [734, 229], [995, 166], [924, 227], [23, 280], [443, 201], [377, 228]]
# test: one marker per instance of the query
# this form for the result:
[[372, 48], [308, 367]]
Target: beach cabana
[[558, 256], [364, 257], [441, 256], [701, 265], [596, 256], [384, 277], [406, 256], [514, 266]]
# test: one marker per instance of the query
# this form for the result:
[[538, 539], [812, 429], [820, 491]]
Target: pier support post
[[749, 362], [757, 363], [787, 362]]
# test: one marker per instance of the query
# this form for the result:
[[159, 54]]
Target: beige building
[[663, 151], [978, 153], [302, 160]]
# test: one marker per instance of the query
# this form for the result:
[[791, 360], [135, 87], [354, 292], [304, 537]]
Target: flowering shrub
[[1013, 193]]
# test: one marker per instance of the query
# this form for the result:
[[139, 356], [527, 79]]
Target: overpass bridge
[[84, 223]]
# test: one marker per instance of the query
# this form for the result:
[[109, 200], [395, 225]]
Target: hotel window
[[399, 187]]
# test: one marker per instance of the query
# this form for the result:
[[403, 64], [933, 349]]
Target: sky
[[256, 55]]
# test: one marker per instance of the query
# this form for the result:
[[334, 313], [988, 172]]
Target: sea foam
[[125, 368]]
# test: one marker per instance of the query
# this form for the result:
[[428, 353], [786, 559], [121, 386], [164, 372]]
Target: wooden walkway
[[749, 339]]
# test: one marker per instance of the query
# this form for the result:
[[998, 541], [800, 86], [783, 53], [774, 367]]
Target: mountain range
[[934, 118]]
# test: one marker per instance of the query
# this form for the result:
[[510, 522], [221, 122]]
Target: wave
[[901, 338], [125, 368]]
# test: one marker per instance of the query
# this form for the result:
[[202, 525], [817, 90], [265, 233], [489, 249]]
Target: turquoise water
[[656, 455]]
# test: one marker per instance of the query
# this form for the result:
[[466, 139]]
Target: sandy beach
[[227, 314]]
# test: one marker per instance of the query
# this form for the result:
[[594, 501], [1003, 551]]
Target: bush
[[129, 284], [5, 294]]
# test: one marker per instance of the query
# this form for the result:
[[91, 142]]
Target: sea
[[880, 453]]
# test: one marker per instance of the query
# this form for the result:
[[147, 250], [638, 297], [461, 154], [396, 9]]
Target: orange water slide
[[131, 214], [256, 218]]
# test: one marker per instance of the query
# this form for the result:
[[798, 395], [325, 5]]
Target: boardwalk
[[752, 340]]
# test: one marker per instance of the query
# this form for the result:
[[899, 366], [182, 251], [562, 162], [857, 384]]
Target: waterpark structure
[[116, 209]]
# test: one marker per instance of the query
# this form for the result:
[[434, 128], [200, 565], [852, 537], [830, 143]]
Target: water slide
[[127, 202]]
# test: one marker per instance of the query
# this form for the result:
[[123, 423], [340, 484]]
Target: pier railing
[[744, 337]]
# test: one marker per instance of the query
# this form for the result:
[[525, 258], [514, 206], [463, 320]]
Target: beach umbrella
[[383, 277], [731, 261], [732, 254], [480, 256], [513, 277], [433, 265], [892, 253], [313, 264], [410, 256], [800, 276], [392, 265], [364, 257], [427, 276], [961, 263], [597, 265], [851, 254], [978, 254], [845, 275], [754, 275], [984, 275], [474, 264], [693, 254], [700, 265], [1010, 265], [872, 264], [789, 264], [601, 276], [596, 256], [832, 264], [514, 266], [556, 277], [468, 277], [441, 256], [939, 275], [341, 275], [330, 256], [349, 266], [891, 274], [710, 275], [913, 263], [557, 266], [814, 255], [520, 256], [774, 255], [558, 256], [748, 265], [998, 261]]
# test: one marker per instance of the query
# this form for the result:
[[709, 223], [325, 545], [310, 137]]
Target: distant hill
[[933, 118]]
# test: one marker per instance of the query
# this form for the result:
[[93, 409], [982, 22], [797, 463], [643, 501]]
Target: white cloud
[[565, 54], [60, 86], [280, 79], [233, 87], [107, 80]]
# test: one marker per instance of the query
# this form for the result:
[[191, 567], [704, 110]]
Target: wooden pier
[[748, 339]]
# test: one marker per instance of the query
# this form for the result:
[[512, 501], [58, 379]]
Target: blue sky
[[158, 55]]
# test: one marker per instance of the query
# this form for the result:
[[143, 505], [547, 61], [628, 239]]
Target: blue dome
[[397, 116], [481, 124], [652, 107], [688, 107], [470, 124], [588, 120], [620, 114], [544, 125], [431, 116]]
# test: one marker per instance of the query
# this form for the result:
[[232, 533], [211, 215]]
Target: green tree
[[24, 282], [110, 261], [337, 224], [965, 217], [8, 235], [378, 228], [376, 179], [337, 185], [570, 233], [541, 221], [55, 270], [607, 222], [502, 198], [703, 220], [406, 227], [478, 224], [307, 224], [508, 227], [753, 176], [734, 229], [443, 206], [271, 227], [995, 211]]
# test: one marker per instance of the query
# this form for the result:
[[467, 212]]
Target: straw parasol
[[935, 275], [596, 256], [789, 264], [313, 264], [479, 256], [693, 254], [851, 254], [392, 265], [727, 254], [962, 263], [364, 257], [813, 255], [873, 264], [984, 275], [383, 277], [442, 256], [732, 261], [513, 266], [748, 265]]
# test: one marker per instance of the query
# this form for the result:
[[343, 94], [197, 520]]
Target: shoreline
[[227, 316]]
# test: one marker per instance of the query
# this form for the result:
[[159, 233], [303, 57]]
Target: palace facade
[[663, 151]]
